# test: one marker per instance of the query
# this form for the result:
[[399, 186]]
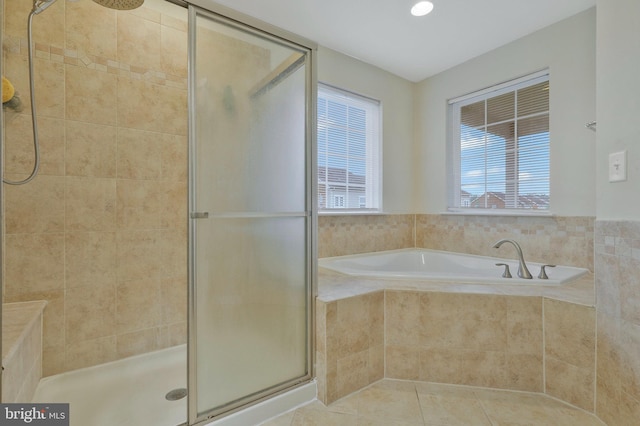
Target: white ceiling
[[383, 32]]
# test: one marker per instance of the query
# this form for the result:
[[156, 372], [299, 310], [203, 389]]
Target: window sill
[[496, 212], [345, 212]]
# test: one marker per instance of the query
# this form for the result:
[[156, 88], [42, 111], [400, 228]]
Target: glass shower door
[[250, 226]]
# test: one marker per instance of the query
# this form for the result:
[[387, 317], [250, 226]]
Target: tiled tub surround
[[617, 262], [553, 239], [558, 240], [101, 232], [509, 337], [349, 344], [491, 332], [339, 235], [21, 350]]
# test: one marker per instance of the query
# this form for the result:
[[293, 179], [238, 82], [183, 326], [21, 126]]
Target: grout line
[[595, 364], [484, 410], [575, 407], [384, 333], [544, 350], [415, 390]]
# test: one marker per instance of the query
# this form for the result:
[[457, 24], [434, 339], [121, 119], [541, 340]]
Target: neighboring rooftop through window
[[348, 150]]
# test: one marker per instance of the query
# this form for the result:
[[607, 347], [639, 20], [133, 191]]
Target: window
[[348, 150], [362, 202], [499, 145]]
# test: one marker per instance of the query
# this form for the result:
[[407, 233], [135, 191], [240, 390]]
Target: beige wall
[[567, 49], [617, 236], [396, 95], [618, 86], [101, 232]]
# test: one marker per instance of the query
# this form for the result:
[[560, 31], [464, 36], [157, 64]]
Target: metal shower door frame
[[1, 200], [266, 31]]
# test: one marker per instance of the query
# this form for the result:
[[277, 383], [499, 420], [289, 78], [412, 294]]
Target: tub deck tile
[[335, 286]]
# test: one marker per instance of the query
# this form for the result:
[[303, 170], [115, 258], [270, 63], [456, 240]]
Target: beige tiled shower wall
[[617, 263], [101, 232], [555, 240]]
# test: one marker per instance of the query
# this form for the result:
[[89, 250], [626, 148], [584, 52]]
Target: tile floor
[[404, 403]]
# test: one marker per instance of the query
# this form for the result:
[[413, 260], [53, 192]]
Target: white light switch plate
[[618, 166]]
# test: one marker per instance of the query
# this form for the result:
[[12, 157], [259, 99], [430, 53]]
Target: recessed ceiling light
[[421, 8]]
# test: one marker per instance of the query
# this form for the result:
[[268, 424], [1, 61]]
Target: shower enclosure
[[251, 225], [171, 224]]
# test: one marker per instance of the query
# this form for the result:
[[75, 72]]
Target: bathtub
[[424, 264]]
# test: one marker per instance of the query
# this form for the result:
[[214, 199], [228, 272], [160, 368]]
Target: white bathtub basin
[[444, 266]]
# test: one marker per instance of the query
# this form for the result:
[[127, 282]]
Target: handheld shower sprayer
[[40, 6]]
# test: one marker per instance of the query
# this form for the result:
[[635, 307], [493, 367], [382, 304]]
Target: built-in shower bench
[[21, 350], [527, 338]]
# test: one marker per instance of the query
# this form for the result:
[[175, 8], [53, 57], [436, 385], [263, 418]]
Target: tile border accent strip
[[19, 46]]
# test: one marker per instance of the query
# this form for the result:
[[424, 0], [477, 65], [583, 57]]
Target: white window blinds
[[500, 146], [348, 150]]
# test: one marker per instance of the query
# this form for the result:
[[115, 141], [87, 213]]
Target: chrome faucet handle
[[543, 274], [507, 273]]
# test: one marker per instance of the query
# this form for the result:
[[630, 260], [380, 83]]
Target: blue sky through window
[[483, 164]]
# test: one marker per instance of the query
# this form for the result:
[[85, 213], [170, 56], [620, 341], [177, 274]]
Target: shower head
[[39, 6], [120, 4]]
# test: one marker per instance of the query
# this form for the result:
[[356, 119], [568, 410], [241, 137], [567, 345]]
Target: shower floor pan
[[127, 392]]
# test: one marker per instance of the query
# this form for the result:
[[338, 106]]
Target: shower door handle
[[200, 215]]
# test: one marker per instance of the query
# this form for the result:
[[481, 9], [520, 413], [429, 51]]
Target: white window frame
[[454, 154], [373, 174]]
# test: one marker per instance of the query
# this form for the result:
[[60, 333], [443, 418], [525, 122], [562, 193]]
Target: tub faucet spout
[[523, 271]]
